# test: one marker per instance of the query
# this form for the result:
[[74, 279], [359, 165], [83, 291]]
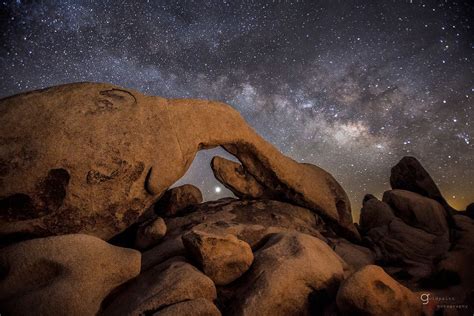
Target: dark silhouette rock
[[408, 174]]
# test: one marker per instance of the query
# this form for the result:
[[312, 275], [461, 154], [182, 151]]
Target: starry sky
[[352, 86]]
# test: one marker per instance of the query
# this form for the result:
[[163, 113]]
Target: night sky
[[351, 86]]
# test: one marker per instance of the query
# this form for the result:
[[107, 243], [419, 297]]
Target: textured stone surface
[[354, 255], [171, 282], [409, 247], [62, 275], [59, 177], [234, 177], [418, 211], [150, 233], [375, 213], [289, 273], [371, 291], [222, 257], [408, 174], [176, 200], [197, 307]]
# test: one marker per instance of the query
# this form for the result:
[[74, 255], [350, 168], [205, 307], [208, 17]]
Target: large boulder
[[371, 291], [222, 257], [408, 174], [418, 211], [355, 256], [62, 275], [150, 233], [171, 282], [58, 177], [292, 274], [176, 200], [197, 307], [263, 184]]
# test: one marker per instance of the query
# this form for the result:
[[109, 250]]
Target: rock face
[[396, 242], [198, 307], [62, 275], [149, 233], [354, 255], [248, 220], [375, 213], [408, 174], [177, 199], [222, 257], [238, 180], [172, 282], [418, 211], [289, 272], [59, 177], [371, 291]]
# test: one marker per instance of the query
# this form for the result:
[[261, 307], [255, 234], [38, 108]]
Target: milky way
[[351, 86]]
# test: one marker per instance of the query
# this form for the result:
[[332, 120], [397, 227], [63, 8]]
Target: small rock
[[150, 233], [173, 281], [198, 307], [374, 213], [371, 291], [418, 211], [176, 200], [62, 275], [289, 273], [222, 257]]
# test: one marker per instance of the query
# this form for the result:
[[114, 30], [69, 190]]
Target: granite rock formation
[[61, 178], [285, 246]]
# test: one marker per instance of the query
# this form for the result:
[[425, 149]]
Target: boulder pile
[[90, 225]]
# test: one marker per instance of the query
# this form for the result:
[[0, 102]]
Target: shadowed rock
[[408, 174], [371, 291], [286, 274], [173, 281], [92, 157], [418, 211], [175, 201], [62, 275]]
